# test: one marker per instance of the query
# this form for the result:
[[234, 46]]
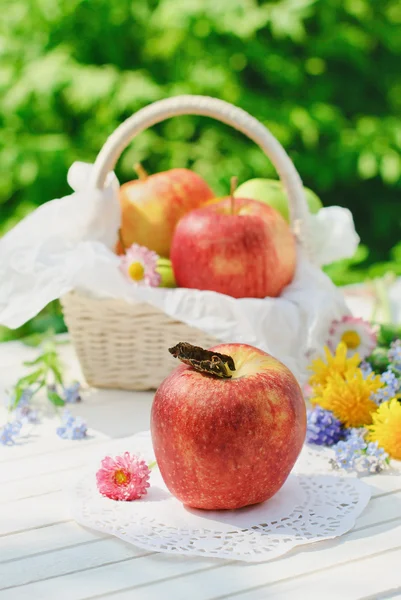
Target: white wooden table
[[45, 555]]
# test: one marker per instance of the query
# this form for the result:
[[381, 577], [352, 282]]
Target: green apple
[[271, 191], [166, 273]]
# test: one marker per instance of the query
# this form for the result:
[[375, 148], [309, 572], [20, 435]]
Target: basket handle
[[226, 113]]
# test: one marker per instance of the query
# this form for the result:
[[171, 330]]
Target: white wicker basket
[[124, 345]]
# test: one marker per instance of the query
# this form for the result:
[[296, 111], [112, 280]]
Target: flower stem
[[233, 187], [140, 171], [152, 465]]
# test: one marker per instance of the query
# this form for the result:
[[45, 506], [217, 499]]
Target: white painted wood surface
[[45, 555]]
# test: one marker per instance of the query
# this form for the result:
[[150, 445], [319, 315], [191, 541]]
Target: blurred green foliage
[[323, 75]]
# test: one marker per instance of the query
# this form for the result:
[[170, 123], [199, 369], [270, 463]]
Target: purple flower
[[394, 354], [9, 432], [323, 428], [72, 428], [72, 393]]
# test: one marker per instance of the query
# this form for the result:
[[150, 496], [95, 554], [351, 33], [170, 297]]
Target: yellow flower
[[337, 363], [348, 396], [386, 427]]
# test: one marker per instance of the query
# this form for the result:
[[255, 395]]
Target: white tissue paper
[[67, 243]]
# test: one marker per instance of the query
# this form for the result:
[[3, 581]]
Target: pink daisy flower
[[123, 478], [358, 335], [139, 265]]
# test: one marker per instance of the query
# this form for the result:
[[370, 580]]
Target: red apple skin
[[228, 443], [248, 254], [151, 207]]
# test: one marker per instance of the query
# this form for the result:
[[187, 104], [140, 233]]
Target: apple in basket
[[272, 192], [227, 426], [152, 205], [238, 247]]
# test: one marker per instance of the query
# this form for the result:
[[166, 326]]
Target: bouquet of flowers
[[355, 395]]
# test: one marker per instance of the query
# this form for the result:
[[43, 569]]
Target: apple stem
[[205, 361], [140, 171], [233, 187]]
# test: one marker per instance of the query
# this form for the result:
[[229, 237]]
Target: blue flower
[[9, 432], [323, 428], [356, 433], [355, 454], [25, 398], [392, 385], [377, 457], [394, 354], [366, 368], [72, 393], [344, 455], [72, 428], [373, 449], [25, 413]]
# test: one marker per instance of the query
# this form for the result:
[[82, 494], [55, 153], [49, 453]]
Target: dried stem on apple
[[140, 171], [205, 361], [233, 187]]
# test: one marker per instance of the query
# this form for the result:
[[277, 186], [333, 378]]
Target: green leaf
[[29, 379], [55, 398], [52, 360], [34, 340], [18, 393], [378, 359], [57, 374], [388, 333], [31, 363]]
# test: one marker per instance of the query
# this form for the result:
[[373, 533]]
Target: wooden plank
[[101, 422], [45, 539], [48, 443], [36, 512], [371, 576], [81, 454], [85, 583], [66, 560], [34, 486], [382, 508], [385, 482], [228, 580], [393, 593], [211, 578]]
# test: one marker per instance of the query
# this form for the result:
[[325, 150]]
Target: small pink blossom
[[139, 265], [358, 335], [123, 477]]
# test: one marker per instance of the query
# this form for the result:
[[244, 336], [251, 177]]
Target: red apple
[[248, 252], [152, 205], [228, 443]]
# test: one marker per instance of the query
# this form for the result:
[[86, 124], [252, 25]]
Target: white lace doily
[[311, 506]]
